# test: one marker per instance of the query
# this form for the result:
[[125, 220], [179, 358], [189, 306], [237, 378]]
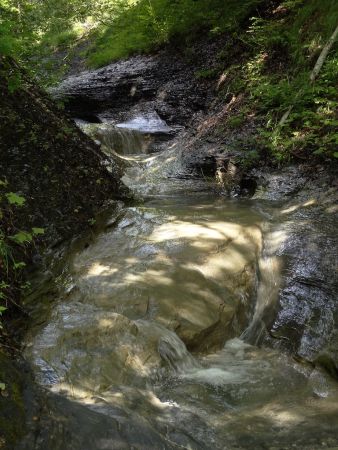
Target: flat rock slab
[[142, 82]]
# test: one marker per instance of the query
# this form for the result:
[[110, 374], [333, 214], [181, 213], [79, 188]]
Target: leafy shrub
[[13, 244], [63, 39], [206, 74], [145, 25], [291, 41], [236, 121]]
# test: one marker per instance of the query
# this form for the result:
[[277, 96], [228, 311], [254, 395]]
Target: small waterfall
[[123, 141], [270, 266], [140, 135], [175, 354]]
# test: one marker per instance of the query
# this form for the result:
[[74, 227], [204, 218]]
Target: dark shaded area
[[64, 424], [61, 173], [12, 407], [248, 186]]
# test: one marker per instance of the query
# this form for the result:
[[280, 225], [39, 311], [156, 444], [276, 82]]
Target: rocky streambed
[[204, 315], [153, 335]]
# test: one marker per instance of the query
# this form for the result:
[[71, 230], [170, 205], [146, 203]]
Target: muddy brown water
[[146, 343]]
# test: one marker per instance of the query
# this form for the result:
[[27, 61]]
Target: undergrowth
[[14, 248], [146, 25], [270, 49], [278, 54]]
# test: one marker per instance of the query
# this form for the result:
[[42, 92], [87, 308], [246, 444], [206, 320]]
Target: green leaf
[[319, 151], [335, 154], [22, 237], [2, 309], [19, 265], [37, 231], [2, 386], [15, 199], [14, 82]]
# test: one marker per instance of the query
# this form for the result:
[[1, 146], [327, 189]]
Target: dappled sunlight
[[283, 417], [179, 229], [276, 239], [167, 284], [215, 267], [79, 393], [332, 209], [217, 118], [190, 269], [291, 209], [222, 79], [150, 276], [97, 269]]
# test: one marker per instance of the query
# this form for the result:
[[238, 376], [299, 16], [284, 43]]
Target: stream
[[150, 341]]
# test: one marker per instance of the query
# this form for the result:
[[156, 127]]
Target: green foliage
[[279, 50], [117, 28], [25, 237], [8, 43], [311, 125], [236, 121], [13, 244], [61, 40], [17, 27], [146, 24], [22, 237], [206, 73], [282, 51], [37, 231], [15, 199], [249, 159]]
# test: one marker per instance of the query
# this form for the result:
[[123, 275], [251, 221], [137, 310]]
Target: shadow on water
[[169, 273], [141, 348]]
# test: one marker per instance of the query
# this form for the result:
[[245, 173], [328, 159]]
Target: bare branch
[[323, 55]]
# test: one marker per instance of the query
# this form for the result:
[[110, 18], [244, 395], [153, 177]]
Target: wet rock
[[279, 185], [84, 351], [47, 159], [206, 299], [63, 424], [328, 355], [306, 319], [16, 405], [142, 135], [10, 404], [113, 91]]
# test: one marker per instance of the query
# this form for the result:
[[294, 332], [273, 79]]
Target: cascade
[[152, 339]]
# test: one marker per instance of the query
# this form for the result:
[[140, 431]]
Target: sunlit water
[[150, 312]]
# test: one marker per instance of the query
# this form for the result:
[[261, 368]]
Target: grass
[[141, 26]]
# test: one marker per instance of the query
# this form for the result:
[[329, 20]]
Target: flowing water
[[138, 136], [155, 323]]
